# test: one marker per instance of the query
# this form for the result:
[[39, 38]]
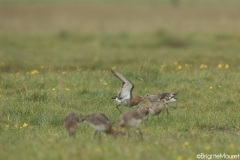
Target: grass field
[[56, 58]]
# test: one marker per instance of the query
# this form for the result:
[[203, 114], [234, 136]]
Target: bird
[[157, 107], [71, 123], [124, 96], [168, 96], [100, 123], [133, 118]]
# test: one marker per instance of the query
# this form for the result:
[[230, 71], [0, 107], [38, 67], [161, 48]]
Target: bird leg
[[128, 134], [118, 108], [99, 136], [115, 136], [167, 110], [95, 133], [72, 134], [140, 133], [172, 107], [146, 121], [159, 118]]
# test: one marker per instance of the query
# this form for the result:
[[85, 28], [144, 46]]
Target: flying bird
[[124, 96]]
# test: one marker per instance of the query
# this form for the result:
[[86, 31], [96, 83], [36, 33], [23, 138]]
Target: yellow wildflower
[[210, 87], [162, 66], [179, 157], [35, 72], [53, 89], [18, 73], [207, 147], [175, 63], [219, 86], [226, 66], [95, 59], [16, 126], [231, 145], [179, 67], [219, 65], [67, 89], [185, 144], [25, 124], [7, 126], [202, 66], [156, 143], [64, 72], [105, 83], [113, 68]]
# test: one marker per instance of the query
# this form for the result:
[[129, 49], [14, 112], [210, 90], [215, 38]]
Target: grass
[[204, 121], [49, 72]]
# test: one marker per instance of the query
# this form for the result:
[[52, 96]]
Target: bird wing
[[163, 95], [126, 88], [101, 118], [96, 118]]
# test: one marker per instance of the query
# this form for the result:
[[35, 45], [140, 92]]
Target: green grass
[[45, 74], [207, 119]]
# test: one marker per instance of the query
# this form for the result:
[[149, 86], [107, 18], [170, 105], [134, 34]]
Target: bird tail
[[176, 93]]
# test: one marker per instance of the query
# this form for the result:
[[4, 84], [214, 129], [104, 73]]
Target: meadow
[[56, 58]]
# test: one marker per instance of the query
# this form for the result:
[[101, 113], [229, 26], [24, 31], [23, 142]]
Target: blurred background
[[124, 15], [101, 34]]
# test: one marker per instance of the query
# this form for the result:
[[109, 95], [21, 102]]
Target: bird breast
[[134, 122], [171, 100], [118, 101], [126, 102]]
